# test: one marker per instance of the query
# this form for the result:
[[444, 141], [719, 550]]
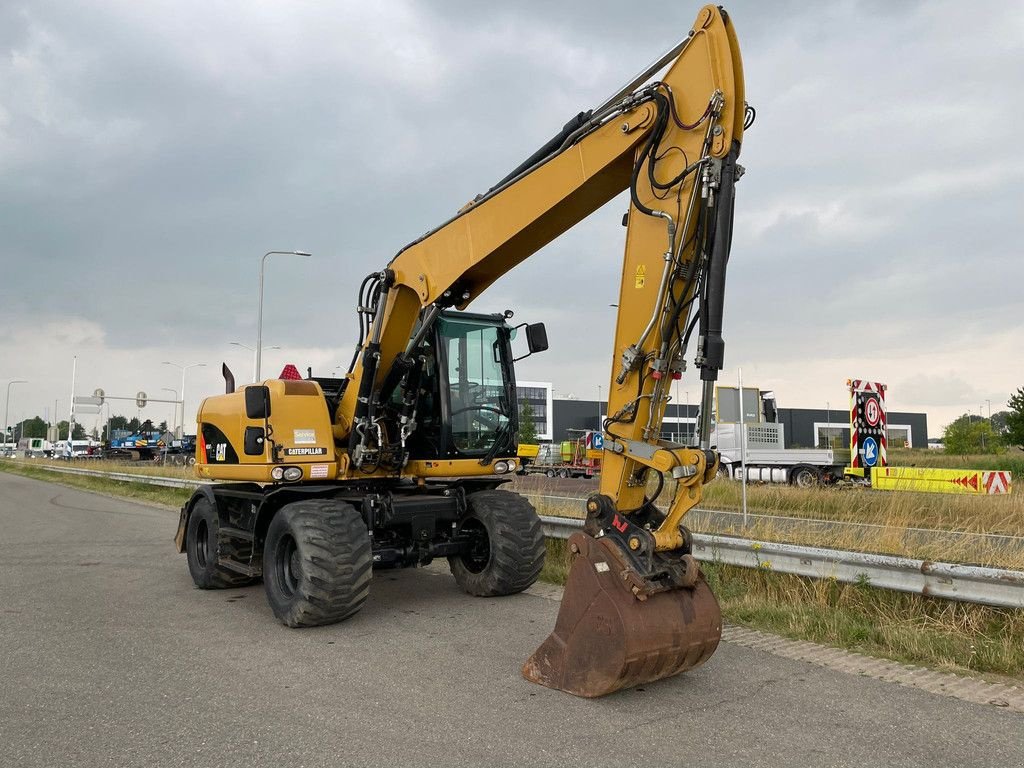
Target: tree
[[527, 425], [971, 434], [999, 421], [62, 431], [1015, 419], [34, 427]]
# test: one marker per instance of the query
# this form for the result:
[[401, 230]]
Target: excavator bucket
[[606, 639]]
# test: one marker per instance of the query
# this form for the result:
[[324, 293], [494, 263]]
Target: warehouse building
[[804, 427]]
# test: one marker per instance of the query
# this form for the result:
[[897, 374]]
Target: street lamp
[[7, 405], [259, 309], [251, 349], [183, 369], [175, 393]]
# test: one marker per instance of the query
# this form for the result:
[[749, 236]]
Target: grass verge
[[149, 493], [941, 634]]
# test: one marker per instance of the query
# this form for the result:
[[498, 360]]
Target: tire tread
[[336, 563], [517, 545]]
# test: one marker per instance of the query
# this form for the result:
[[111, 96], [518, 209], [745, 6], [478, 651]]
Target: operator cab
[[467, 405]]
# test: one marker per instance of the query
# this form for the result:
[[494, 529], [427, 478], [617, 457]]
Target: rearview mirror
[[257, 402], [536, 338]]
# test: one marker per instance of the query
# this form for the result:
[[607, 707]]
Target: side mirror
[[536, 338], [257, 402]]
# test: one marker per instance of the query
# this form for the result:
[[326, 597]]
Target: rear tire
[[317, 563], [550, 473], [202, 551], [804, 477], [507, 553]]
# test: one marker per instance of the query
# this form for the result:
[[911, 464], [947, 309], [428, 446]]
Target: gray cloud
[[149, 153]]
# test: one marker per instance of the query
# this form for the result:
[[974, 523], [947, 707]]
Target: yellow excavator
[[401, 461]]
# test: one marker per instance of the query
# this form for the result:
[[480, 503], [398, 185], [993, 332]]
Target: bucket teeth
[[606, 638]]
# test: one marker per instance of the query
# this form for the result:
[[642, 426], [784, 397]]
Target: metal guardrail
[[128, 477], [965, 583]]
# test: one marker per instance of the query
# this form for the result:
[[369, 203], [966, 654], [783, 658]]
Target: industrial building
[[804, 427]]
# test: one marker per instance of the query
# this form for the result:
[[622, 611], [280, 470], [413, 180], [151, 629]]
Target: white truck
[[767, 459]]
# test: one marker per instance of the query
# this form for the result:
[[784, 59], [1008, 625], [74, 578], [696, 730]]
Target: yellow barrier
[[527, 451], [928, 480]]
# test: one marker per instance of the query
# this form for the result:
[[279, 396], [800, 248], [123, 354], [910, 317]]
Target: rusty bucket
[[606, 639]]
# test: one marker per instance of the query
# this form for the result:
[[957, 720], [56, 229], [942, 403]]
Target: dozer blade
[[606, 639]]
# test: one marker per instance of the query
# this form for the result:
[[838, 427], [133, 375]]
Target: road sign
[[870, 452], [598, 441], [86, 408], [867, 420], [99, 393], [140, 399], [84, 400], [872, 412]]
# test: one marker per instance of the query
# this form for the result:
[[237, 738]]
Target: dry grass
[[936, 633], [1011, 459], [851, 517]]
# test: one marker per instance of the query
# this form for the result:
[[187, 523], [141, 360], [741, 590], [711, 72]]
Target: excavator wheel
[[606, 639], [201, 550], [507, 549], [317, 562]]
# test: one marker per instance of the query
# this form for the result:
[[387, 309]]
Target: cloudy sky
[[151, 152]]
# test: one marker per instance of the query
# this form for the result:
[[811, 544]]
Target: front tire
[[201, 549], [507, 549], [317, 563]]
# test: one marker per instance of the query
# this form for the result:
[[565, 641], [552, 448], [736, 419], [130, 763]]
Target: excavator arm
[[636, 607], [673, 143]]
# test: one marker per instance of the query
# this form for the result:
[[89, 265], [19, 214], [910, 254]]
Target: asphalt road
[[109, 657]]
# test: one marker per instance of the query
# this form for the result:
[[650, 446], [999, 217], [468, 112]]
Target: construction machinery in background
[[570, 458], [144, 444], [400, 461]]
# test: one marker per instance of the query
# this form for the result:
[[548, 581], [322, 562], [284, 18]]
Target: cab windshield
[[474, 360]]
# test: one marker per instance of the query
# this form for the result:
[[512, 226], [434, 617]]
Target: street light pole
[[7, 405], [175, 393], [599, 428], [253, 350], [259, 308], [183, 369]]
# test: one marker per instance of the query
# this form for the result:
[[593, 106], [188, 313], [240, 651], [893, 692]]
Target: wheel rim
[[478, 553], [804, 479], [287, 565], [202, 543]]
